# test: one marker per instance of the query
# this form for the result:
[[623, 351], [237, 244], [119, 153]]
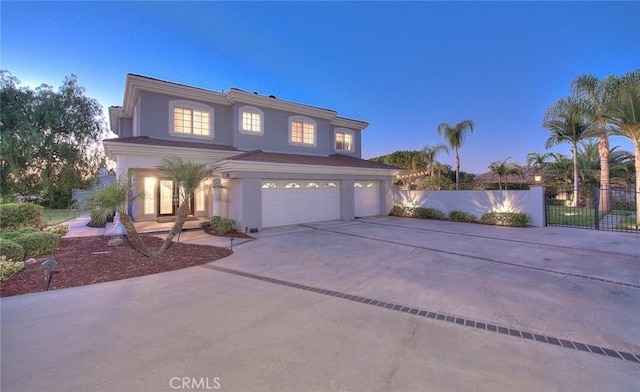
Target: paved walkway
[[382, 304]]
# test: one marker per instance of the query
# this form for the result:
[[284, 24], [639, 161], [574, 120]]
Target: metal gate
[[612, 209]]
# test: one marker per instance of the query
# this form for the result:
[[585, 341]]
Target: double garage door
[[289, 202]]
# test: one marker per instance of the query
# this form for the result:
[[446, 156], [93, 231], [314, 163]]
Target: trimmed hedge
[[461, 216], [417, 212], [220, 225], [9, 268], [11, 250], [15, 216], [512, 219], [37, 243], [59, 230]]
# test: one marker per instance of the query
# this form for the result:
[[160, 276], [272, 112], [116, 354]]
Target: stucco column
[[347, 200], [217, 196], [536, 205]]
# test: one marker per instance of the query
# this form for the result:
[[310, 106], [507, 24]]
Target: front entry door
[[169, 198]]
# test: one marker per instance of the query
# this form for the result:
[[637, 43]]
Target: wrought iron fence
[[612, 209]]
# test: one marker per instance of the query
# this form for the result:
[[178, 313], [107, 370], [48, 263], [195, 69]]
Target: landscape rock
[[117, 241]]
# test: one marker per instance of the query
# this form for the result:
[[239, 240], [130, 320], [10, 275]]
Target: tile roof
[[150, 141], [331, 160]]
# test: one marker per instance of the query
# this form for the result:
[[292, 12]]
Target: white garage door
[[367, 198], [288, 202]]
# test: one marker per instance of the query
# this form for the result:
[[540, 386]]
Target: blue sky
[[403, 67]]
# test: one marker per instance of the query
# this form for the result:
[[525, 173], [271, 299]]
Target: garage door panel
[[286, 202], [367, 198]]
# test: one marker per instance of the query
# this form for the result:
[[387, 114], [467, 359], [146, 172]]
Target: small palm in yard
[[188, 175], [110, 199], [504, 169], [113, 198]]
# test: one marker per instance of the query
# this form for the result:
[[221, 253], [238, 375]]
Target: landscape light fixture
[[48, 273]]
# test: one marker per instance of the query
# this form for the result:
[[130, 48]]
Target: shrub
[[11, 235], [8, 267], [623, 206], [513, 219], [37, 243], [11, 250], [417, 212], [59, 230], [461, 216], [18, 215], [428, 213], [221, 225]]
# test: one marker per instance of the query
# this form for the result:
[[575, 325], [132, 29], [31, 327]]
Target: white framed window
[[357, 185], [190, 119], [270, 185], [302, 131], [343, 140], [292, 185], [200, 198], [312, 185], [330, 185], [251, 120]]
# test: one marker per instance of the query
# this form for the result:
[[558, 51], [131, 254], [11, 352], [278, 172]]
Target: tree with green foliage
[[430, 157], [504, 169], [625, 118], [455, 136], [48, 139], [539, 162], [568, 121]]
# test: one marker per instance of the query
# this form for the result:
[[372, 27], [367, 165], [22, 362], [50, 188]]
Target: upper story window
[[302, 131], [343, 140], [191, 119], [251, 120]]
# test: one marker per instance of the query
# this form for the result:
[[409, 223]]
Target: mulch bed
[[89, 260]]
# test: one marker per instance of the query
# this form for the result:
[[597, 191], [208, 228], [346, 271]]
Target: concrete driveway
[[382, 304]]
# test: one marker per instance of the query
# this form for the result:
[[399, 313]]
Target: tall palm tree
[[599, 94], [187, 175], [567, 120], [455, 136], [504, 169], [625, 116], [430, 155]]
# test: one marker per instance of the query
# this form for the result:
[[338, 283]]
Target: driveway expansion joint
[[439, 316], [470, 256]]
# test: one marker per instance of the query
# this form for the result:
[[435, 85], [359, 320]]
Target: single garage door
[[289, 202], [367, 198]]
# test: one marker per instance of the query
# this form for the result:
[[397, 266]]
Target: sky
[[404, 67]]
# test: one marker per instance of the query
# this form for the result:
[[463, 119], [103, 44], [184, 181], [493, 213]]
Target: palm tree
[[625, 116], [567, 120], [538, 162], [111, 199], [187, 175], [599, 94], [455, 136], [114, 198], [504, 169], [430, 154]]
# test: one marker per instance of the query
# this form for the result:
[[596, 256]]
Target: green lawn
[[628, 223], [54, 217], [570, 216]]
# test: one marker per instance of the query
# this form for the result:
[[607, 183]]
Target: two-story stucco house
[[281, 162]]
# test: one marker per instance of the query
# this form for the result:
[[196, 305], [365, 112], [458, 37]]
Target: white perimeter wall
[[530, 202]]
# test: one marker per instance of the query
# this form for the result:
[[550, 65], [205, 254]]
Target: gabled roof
[[337, 160]]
